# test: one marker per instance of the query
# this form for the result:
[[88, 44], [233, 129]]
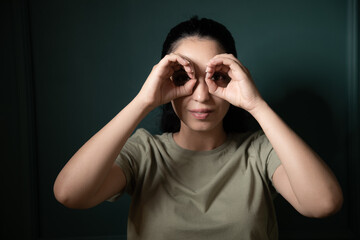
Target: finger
[[229, 56], [219, 61], [180, 61], [167, 66], [217, 68], [186, 89], [214, 89], [233, 66], [216, 65], [232, 57], [189, 67], [211, 85]]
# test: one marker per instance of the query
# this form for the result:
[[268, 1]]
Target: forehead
[[198, 50]]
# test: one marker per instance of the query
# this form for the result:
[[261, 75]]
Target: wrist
[[258, 109], [143, 104]]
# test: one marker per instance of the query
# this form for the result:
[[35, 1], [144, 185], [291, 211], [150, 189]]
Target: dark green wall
[[70, 66]]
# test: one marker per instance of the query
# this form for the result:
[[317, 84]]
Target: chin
[[202, 126]]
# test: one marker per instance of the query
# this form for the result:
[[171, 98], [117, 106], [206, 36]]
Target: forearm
[[303, 178], [312, 182], [84, 174], [90, 173]]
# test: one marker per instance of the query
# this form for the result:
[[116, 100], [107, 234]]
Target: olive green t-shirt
[[224, 193]]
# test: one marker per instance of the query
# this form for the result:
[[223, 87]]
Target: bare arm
[[303, 178], [91, 176], [80, 183]]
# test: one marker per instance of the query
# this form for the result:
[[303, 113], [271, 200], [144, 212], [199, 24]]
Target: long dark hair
[[236, 119]]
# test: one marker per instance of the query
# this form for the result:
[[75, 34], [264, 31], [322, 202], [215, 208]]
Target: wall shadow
[[312, 118]]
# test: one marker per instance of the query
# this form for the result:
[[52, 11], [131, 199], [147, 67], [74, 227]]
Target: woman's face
[[200, 111]]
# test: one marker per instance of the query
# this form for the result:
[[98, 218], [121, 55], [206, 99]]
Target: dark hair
[[236, 119], [203, 28]]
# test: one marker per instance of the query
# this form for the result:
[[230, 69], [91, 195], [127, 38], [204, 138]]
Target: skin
[[192, 130], [303, 179]]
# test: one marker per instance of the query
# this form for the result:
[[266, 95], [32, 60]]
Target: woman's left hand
[[240, 91]]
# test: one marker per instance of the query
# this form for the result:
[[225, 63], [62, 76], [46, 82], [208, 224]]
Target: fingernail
[[187, 61]]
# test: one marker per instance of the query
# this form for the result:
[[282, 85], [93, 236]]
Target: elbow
[[63, 195], [327, 207], [333, 206], [327, 210]]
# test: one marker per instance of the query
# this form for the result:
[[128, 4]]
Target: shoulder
[[255, 145], [143, 139], [251, 139], [141, 133], [139, 148], [259, 153]]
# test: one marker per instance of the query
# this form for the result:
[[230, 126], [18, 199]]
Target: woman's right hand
[[159, 88], [91, 176]]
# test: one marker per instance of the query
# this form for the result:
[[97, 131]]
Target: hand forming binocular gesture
[[175, 76]]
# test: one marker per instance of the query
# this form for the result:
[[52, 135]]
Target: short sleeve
[[129, 158], [273, 162], [269, 159]]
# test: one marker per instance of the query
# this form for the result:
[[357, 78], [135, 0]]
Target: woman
[[203, 178]]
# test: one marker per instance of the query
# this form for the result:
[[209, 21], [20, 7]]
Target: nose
[[201, 91]]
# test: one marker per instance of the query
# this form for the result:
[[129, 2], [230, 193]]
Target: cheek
[[224, 107], [177, 105]]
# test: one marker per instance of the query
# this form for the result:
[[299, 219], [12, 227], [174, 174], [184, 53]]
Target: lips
[[200, 114]]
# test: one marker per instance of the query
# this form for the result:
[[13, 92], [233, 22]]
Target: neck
[[200, 140]]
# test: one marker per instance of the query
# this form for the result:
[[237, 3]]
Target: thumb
[[186, 89], [214, 89]]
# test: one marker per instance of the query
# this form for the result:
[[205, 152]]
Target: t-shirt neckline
[[220, 148]]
